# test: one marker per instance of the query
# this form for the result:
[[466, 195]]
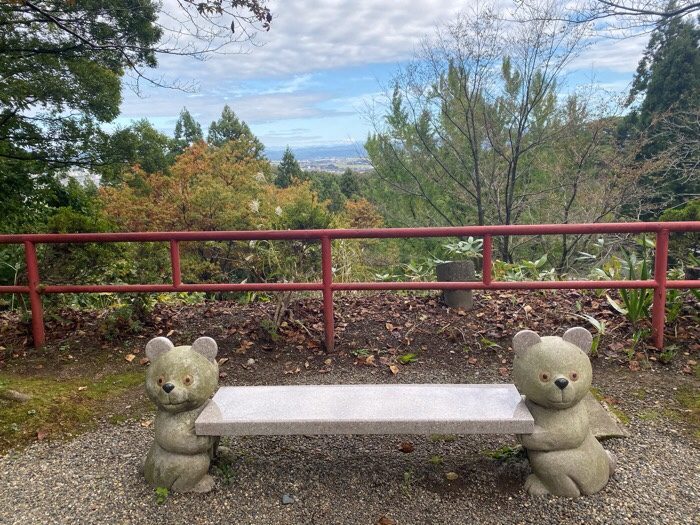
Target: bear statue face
[[181, 378], [553, 372]]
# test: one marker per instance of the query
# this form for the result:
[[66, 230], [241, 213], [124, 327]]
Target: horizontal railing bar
[[372, 233], [150, 288], [495, 285], [683, 284], [14, 289]]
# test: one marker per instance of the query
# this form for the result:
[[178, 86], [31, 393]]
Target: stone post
[[457, 271]]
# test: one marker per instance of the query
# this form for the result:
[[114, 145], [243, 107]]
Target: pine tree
[[667, 90], [187, 131], [348, 184], [288, 170], [230, 127]]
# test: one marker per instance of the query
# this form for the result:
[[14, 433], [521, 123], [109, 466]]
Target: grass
[[446, 438], [507, 453], [58, 408]]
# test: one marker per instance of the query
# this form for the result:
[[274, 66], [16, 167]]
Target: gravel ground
[[94, 478]]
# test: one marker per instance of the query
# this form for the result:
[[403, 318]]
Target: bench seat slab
[[366, 409]]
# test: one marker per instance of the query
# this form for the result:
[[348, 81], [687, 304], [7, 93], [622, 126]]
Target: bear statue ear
[[524, 339], [580, 337], [207, 347], [158, 346]]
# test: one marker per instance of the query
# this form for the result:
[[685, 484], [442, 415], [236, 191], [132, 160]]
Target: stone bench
[[365, 409]]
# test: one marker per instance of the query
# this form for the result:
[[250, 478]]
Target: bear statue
[[180, 380], [554, 374]]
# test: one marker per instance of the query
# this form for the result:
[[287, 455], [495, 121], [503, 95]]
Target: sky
[[323, 63]]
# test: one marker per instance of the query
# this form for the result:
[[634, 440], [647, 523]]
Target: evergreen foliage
[[288, 170], [666, 118], [230, 127], [187, 131], [348, 184]]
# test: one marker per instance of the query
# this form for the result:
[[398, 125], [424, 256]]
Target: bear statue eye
[[161, 380], [544, 377], [573, 376], [187, 380]]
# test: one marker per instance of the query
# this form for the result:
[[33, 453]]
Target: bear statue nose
[[168, 387], [561, 383]]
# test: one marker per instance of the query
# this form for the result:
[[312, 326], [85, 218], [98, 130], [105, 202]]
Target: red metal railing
[[35, 289]]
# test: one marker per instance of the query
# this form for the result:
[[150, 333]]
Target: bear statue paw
[[534, 487], [206, 484]]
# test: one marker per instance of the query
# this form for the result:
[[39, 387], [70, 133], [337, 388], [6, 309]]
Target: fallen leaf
[[389, 326], [406, 447], [394, 369], [146, 423], [144, 361], [222, 375], [386, 520], [451, 476], [503, 372], [370, 360], [328, 362], [130, 357], [472, 360], [82, 388], [245, 345], [223, 360], [634, 366]]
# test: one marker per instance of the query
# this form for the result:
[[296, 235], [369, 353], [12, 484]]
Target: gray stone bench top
[[365, 409]]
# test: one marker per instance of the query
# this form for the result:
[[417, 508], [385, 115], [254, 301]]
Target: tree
[[327, 188], [348, 184], [665, 96], [459, 141], [288, 170], [187, 131], [63, 64], [139, 144], [624, 17], [229, 127]]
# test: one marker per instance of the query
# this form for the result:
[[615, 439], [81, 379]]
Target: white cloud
[[308, 36], [617, 55]]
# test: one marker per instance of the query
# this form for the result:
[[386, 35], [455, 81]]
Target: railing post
[[487, 250], [327, 273], [175, 263], [659, 306], [38, 333]]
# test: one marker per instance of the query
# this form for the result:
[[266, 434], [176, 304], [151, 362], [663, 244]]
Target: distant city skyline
[[323, 65]]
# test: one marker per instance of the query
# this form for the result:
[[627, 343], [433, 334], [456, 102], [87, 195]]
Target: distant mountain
[[339, 151]]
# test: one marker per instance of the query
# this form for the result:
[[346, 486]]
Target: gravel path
[[94, 479]]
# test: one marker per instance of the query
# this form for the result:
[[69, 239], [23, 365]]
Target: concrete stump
[[457, 271]]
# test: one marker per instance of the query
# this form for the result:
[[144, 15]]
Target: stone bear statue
[[554, 374], [180, 380]]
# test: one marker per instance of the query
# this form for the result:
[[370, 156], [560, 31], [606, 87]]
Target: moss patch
[[58, 408], [689, 399], [619, 414]]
